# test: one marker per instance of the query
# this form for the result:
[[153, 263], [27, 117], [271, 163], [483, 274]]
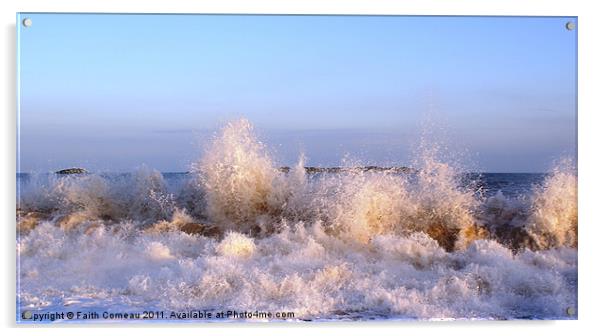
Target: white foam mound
[[236, 245], [157, 251]]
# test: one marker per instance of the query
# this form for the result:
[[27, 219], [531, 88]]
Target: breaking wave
[[239, 232]]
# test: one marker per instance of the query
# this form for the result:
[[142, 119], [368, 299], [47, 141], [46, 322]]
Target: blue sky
[[113, 92]]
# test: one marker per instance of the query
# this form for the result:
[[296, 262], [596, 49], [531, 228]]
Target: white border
[[589, 24]]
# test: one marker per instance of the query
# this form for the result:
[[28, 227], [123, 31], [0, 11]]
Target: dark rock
[[70, 171], [200, 229], [444, 235], [314, 170], [516, 238], [193, 228]]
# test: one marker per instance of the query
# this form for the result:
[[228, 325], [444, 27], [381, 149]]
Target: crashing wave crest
[[241, 232]]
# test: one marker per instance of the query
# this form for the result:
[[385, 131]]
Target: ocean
[[239, 239]]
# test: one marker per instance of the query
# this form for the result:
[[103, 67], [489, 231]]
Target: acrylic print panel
[[240, 168]]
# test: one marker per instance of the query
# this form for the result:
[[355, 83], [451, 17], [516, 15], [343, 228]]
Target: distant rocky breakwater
[[71, 171], [286, 169], [313, 170]]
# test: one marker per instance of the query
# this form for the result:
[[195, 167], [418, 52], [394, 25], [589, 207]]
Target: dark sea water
[[510, 184]]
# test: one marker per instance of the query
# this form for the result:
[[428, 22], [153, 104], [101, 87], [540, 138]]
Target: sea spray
[[369, 204], [243, 187], [149, 198], [553, 219], [71, 200], [433, 201]]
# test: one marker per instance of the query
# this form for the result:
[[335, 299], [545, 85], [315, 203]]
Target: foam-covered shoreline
[[244, 234]]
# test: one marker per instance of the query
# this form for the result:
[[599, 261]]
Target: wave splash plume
[[240, 233]]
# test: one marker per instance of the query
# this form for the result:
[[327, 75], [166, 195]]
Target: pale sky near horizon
[[114, 92]]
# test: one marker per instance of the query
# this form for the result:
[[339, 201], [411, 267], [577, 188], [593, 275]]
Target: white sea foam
[[303, 270], [241, 234]]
